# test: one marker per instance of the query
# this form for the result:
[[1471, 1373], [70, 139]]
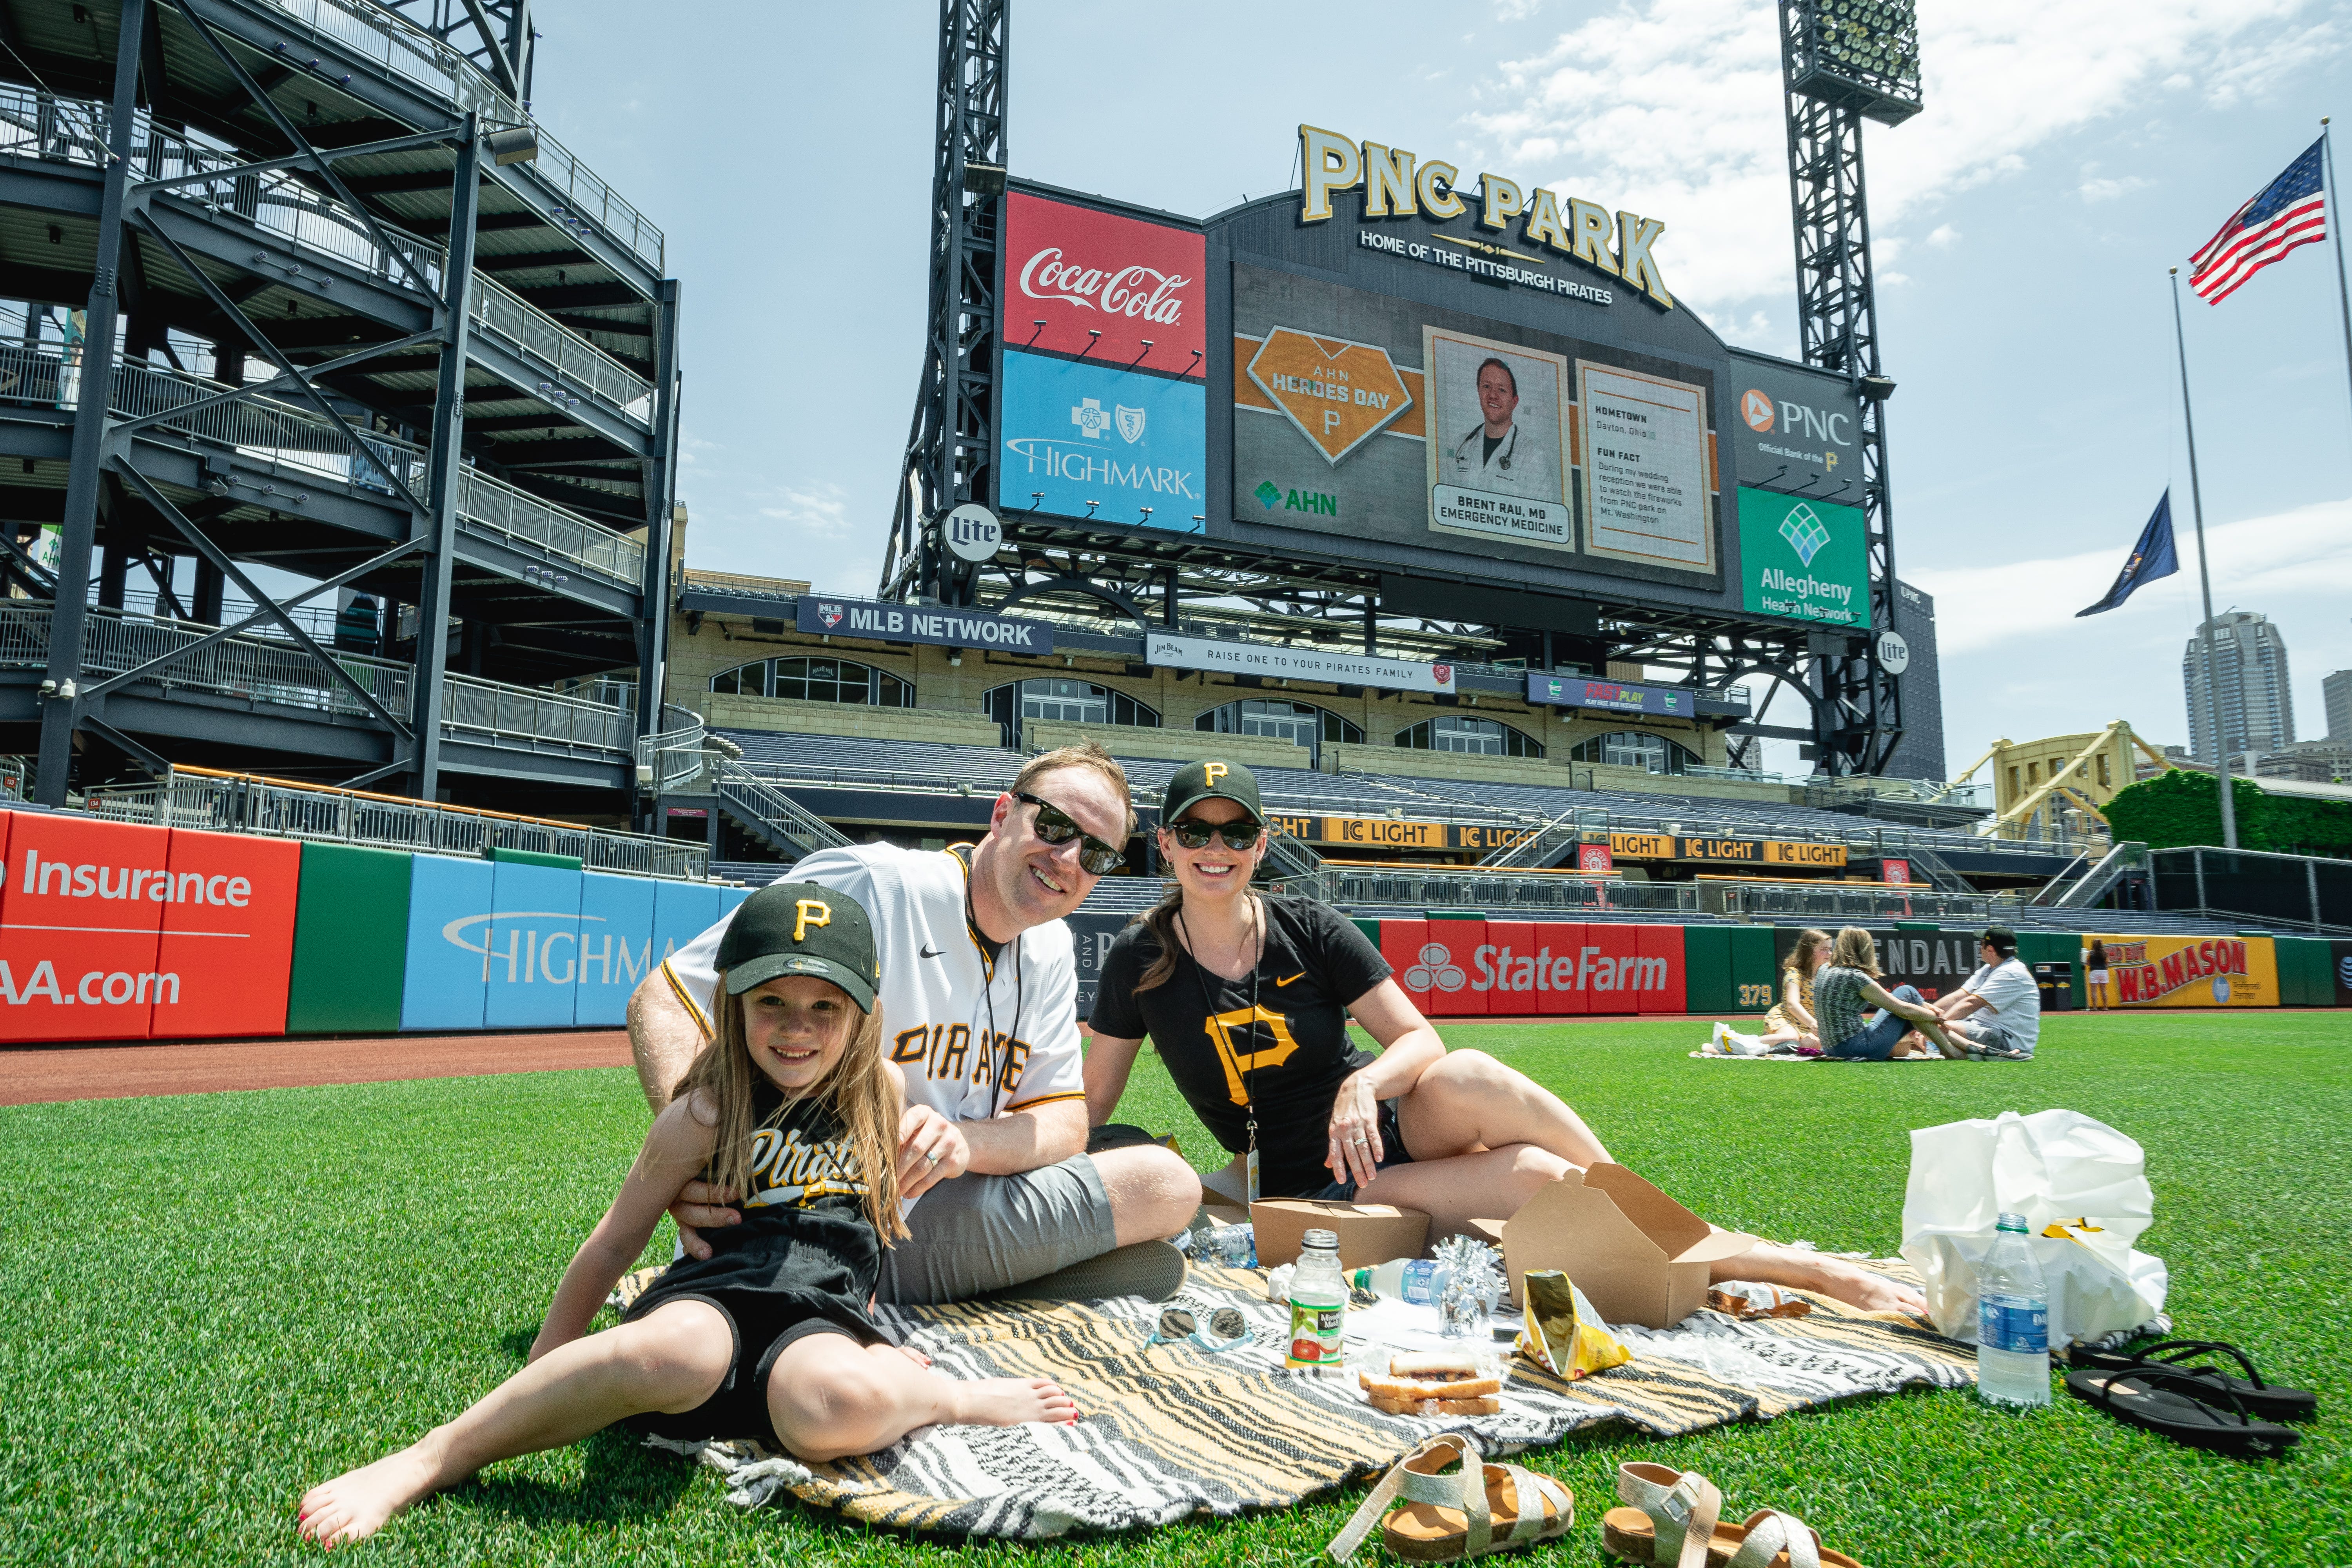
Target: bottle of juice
[[1318, 1303]]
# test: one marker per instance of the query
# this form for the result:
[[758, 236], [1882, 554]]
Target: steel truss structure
[[442, 363], [1854, 719], [1860, 712]]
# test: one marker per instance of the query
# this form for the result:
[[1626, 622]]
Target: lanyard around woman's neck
[[1247, 1061]]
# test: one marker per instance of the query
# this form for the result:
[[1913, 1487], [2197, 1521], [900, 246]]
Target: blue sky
[[2022, 224]]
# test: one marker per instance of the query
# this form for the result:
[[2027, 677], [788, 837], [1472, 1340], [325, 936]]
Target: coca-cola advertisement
[[1119, 291]]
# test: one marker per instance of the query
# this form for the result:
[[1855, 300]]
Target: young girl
[[1791, 1022], [769, 1337]]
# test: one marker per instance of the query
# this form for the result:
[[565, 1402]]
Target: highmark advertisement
[[1803, 559], [1092, 441]]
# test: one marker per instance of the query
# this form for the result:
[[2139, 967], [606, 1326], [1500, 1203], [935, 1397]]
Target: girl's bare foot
[[1009, 1401], [355, 1504]]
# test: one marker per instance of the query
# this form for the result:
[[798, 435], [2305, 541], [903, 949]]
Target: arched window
[[1635, 749], [1066, 701], [1301, 723], [817, 680], [1476, 737]]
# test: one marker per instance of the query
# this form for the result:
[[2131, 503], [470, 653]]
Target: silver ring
[[1359, 1138], [934, 1159]]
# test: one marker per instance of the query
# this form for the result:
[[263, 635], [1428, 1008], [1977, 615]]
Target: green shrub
[[2179, 808]]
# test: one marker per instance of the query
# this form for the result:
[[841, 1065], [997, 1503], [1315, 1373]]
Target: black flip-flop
[[2188, 1406], [2257, 1397]]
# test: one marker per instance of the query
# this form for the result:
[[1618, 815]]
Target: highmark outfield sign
[[930, 624], [1169, 651]]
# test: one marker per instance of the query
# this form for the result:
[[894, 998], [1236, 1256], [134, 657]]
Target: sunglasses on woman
[[1096, 857], [1195, 835]]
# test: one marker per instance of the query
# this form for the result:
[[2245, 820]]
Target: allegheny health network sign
[[1802, 559]]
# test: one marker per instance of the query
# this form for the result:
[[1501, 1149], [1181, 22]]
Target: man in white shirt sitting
[[1999, 1011]]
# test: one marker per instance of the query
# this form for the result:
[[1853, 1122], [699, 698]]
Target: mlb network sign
[[921, 624]]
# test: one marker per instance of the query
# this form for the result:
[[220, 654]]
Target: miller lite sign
[[1124, 293]]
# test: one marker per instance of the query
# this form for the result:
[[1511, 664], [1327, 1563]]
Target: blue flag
[[2151, 558]]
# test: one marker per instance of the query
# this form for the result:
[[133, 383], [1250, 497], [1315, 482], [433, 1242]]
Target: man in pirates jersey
[[979, 1002]]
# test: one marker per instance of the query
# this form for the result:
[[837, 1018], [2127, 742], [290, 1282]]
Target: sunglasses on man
[[1096, 857], [1193, 834]]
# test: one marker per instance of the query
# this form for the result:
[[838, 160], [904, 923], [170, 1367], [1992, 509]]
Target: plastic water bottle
[[1318, 1305], [2013, 1321], [1414, 1279]]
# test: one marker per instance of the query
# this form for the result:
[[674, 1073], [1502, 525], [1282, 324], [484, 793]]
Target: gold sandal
[[1451, 1517]]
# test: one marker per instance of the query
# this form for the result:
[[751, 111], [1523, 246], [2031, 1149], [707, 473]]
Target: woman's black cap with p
[[1197, 782]]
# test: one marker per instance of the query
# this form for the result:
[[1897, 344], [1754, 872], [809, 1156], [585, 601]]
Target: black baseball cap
[[799, 928], [2000, 939], [1197, 782]]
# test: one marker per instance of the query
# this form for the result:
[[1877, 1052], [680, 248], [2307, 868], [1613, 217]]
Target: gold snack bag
[[1563, 1335]]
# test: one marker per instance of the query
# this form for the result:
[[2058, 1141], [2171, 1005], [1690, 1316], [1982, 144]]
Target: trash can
[[2057, 984]]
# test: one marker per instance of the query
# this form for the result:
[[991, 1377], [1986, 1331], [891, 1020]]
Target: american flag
[[2291, 210]]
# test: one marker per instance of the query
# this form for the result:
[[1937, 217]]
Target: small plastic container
[[1319, 1305], [2012, 1321]]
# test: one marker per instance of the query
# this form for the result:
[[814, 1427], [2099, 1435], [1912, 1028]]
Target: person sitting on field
[[769, 1334], [1847, 987], [1997, 1015], [1247, 1000], [980, 992], [1792, 1021]]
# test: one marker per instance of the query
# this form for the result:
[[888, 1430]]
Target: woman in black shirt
[[1247, 999]]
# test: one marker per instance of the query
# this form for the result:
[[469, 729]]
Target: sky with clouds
[[2022, 226]]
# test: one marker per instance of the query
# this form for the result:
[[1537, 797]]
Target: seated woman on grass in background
[[769, 1337], [1247, 999], [1847, 987], [1792, 1021]]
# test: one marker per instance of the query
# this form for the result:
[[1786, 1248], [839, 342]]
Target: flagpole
[[2204, 582], [2336, 231]]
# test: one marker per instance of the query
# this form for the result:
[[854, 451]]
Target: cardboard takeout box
[[1638, 1256], [1369, 1233]]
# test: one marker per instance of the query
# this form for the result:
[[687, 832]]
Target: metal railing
[[265, 669], [301, 445], [505, 315], [41, 125], [243, 803], [794, 827], [2310, 891], [2084, 881], [391, 41], [1853, 904], [1470, 888]]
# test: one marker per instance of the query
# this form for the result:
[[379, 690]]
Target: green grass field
[[215, 1301]]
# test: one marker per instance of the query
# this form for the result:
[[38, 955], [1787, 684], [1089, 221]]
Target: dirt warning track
[[35, 1074]]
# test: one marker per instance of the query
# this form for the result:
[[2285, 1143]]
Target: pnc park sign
[[1398, 184]]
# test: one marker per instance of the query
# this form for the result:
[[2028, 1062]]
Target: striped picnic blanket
[[1172, 1432]]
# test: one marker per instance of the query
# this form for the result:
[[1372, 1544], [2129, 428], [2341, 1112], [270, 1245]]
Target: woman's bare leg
[[1467, 1102], [1493, 1183], [671, 1360], [831, 1397], [1770, 1263]]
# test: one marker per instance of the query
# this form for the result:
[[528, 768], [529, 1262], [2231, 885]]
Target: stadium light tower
[[1844, 61]]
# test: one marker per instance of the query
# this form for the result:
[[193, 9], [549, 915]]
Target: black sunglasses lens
[[1238, 836], [1194, 834]]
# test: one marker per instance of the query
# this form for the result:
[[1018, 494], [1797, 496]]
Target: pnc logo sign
[[1756, 409]]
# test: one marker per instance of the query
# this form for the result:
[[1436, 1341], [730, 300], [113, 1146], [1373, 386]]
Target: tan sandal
[[1670, 1519], [1474, 1511], [1774, 1540]]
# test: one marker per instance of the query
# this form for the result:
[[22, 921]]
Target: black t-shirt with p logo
[[1290, 1045]]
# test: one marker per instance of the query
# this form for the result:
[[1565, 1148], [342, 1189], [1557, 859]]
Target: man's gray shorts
[[1990, 1039], [977, 1234]]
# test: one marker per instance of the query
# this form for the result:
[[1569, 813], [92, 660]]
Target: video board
[[1394, 368], [1374, 418]]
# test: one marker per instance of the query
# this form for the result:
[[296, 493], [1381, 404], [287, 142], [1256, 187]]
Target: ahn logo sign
[[117, 931], [1525, 968]]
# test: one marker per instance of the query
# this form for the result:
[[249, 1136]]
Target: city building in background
[[2335, 696], [2250, 670]]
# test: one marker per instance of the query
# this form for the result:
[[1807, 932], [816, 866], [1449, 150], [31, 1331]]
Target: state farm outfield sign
[[1171, 652], [922, 623]]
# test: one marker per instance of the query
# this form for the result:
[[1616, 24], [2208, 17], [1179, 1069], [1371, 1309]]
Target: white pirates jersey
[[974, 1038]]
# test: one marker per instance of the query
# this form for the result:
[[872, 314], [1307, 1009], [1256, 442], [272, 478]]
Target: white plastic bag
[[2056, 1168]]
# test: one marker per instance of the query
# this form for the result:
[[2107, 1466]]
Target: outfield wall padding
[[351, 941]]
